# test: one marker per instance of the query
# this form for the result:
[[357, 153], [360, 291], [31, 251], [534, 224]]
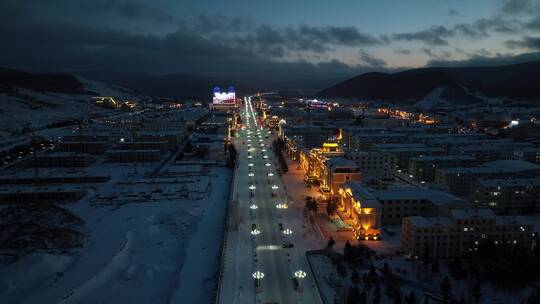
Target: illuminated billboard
[[224, 97]]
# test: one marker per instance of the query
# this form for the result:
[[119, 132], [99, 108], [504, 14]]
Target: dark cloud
[[436, 35], [533, 24], [436, 54], [481, 28], [520, 6], [345, 35], [403, 51], [370, 60], [526, 42], [479, 60]]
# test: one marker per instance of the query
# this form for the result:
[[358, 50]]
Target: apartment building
[[374, 163], [461, 180], [519, 195], [424, 168], [461, 232]]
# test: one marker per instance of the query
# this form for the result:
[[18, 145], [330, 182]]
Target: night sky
[[288, 39]]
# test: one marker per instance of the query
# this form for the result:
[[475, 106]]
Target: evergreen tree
[[331, 243], [353, 296], [347, 250], [435, 267], [355, 277], [446, 286], [377, 293], [411, 299]]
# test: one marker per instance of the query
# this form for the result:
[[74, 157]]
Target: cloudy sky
[[278, 39]]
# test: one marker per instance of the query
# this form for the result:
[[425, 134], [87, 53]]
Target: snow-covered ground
[[159, 252], [42, 108]]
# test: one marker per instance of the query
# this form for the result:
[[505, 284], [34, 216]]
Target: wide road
[[259, 230]]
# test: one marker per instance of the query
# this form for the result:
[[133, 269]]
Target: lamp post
[[258, 276], [299, 275]]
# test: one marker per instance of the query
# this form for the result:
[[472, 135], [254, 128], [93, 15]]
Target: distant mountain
[[171, 85], [55, 83], [518, 81]]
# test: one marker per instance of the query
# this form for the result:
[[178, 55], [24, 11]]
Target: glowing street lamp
[[270, 174], [262, 145], [252, 187], [282, 206], [263, 150], [253, 207], [275, 187], [267, 164], [251, 174], [287, 231], [250, 164], [300, 274], [250, 157], [265, 157], [255, 232], [258, 275]]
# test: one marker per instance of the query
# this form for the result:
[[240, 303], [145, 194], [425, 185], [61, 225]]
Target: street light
[[250, 164], [258, 275], [251, 174], [300, 274], [255, 232], [275, 187], [267, 164], [249, 156], [270, 174], [287, 231], [282, 206], [265, 157], [253, 207], [252, 187]]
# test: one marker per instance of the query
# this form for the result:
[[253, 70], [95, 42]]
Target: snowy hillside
[[20, 108]]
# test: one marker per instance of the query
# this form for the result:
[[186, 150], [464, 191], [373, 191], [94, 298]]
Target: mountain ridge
[[516, 81]]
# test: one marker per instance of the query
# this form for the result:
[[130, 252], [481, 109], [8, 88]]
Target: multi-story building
[[59, 159], [133, 156], [374, 163], [519, 195], [338, 171], [359, 209], [423, 168], [403, 154], [460, 180], [461, 232], [395, 204], [14, 194]]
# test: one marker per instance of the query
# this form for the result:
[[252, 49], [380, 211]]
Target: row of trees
[[278, 145]]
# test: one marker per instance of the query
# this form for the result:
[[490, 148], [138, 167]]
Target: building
[[397, 204], [461, 180], [519, 195], [461, 232], [12, 194], [374, 163], [424, 168], [338, 171], [133, 156], [403, 154], [52, 176], [360, 210], [59, 159]]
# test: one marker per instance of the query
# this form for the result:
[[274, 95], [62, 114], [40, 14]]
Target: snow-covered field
[[159, 252], [43, 108]]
